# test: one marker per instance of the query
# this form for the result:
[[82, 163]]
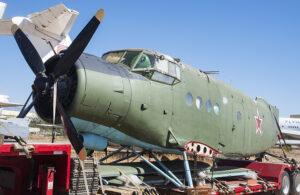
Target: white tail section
[[2, 9], [47, 30]]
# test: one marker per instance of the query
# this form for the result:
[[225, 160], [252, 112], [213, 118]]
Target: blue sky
[[254, 44]]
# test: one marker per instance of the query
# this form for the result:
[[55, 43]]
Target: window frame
[[152, 70], [149, 70]]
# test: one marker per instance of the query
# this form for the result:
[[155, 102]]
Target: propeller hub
[[42, 84]]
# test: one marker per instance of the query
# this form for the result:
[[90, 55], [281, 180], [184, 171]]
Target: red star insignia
[[258, 122]]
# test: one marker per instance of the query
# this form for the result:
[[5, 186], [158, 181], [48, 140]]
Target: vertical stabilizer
[[2, 9]]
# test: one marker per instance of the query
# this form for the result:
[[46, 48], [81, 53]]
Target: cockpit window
[[130, 58], [157, 68], [145, 61], [113, 57], [157, 76]]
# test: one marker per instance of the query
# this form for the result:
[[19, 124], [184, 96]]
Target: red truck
[[46, 170]]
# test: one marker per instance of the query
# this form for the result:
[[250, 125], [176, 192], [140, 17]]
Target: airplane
[[147, 95], [32, 29], [290, 128]]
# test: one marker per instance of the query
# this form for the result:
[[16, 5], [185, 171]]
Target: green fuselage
[[198, 108]]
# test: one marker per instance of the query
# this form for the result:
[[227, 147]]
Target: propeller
[[29, 52], [45, 84], [25, 110], [78, 45], [73, 136]]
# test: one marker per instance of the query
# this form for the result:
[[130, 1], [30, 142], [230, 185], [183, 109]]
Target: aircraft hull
[[115, 136], [158, 114]]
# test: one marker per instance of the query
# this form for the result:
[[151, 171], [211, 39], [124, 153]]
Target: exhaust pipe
[[2, 9]]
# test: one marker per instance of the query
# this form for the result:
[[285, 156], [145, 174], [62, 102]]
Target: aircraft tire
[[295, 183], [285, 184]]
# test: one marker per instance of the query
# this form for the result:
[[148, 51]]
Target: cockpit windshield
[[113, 57], [130, 58], [150, 65], [127, 58], [145, 61]]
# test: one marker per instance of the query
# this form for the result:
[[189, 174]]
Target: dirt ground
[[293, 153]]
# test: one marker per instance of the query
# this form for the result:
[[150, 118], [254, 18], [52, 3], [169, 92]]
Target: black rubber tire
[[285, 184], [295, 183]]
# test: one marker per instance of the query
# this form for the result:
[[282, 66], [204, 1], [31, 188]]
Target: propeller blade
[[29, 52], [24, 106], [77, 47], [72, 133], [25, 111]]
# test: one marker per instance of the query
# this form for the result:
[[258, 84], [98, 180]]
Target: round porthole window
[[208, 106], [217, 109], [198, 103], [189, 99], [225, 100]]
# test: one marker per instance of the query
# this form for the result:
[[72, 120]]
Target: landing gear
[[285, 184], [295, 183]]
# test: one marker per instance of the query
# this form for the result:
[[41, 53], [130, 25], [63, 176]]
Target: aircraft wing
[[291, 133], [15, 127], [56, 20], [291, 142], [46, 29], [9, 104], [5, 26]]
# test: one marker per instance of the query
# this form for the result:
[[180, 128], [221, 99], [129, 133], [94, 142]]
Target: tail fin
[[2, 9], [48, 30]]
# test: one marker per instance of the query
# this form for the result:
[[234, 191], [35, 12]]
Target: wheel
[[285, 184], [295, 183]]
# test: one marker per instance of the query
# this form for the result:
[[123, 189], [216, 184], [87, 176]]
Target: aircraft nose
[[103, 89]]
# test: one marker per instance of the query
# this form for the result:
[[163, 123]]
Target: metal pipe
[[158, 170], [124, 158], [167, 170], [111, 154], [100, 178], [187, 169]]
